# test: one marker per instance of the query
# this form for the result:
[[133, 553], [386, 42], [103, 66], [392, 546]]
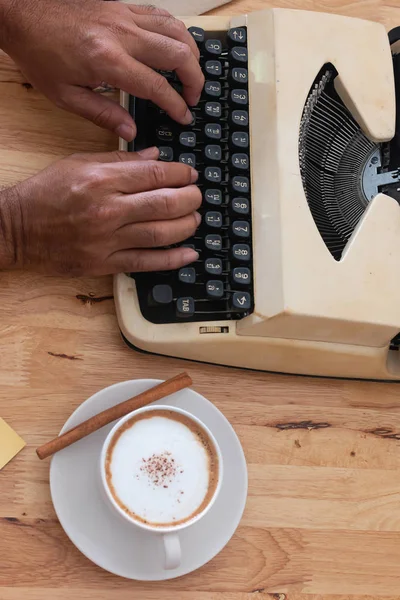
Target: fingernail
[[188, 118], [149, 152], [194, 175], [197, 216], [126, 132], [189, 255]]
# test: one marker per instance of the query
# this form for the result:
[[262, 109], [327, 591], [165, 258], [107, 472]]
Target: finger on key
[[159, 205], [131, 76], [143, 176], [120, 156], [160, 52], [137, 261], [166, 25], [155, 234]]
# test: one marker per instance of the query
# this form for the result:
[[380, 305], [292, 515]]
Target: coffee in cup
[[161, 468]]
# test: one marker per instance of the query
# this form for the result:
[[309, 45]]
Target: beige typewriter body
[[313, 315]]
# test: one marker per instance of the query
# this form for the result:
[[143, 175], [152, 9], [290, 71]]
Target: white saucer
[[100, 535]]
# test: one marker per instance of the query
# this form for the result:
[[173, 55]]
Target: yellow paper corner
[[10, 443]]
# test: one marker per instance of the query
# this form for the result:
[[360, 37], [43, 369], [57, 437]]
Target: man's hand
[[101, 214], [67, 48]]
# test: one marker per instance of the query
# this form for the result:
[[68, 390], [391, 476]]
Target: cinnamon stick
[[179, 382]]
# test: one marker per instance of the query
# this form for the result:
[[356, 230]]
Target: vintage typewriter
[[299, 158]]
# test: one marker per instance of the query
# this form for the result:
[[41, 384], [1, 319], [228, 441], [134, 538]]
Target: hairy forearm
[[8, 250]]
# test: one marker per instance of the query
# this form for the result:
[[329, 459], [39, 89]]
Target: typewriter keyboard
[[219, 285]]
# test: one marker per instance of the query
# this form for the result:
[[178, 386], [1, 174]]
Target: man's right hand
[[101, 214]]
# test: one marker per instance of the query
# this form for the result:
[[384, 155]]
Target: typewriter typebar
[[299, 162]]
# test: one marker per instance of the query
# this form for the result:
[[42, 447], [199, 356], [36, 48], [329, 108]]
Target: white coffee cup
[[170, 533]]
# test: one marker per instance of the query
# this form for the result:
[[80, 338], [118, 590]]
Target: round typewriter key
[[188, 158], [240, 139], [241, 229], [188, 139], [237, 35], [241, 300], [240, 161], [214, 68], [185, 307], [166, 153], [240, 184], [213, 266], [213, 88], [239, 54], [213, 174], [239, 75], [213, 131], [197, 33], [162, 294], [240, 206], [241, 275], [213, 219], [165, 133], [213, 47], [213, 109], [215, 288], [213, 196], [213, 152], [240, 117], [239, 96], [213, 241], [241, 252], [187, 275]]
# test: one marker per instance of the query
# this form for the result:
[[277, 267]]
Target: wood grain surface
[[323, 514]]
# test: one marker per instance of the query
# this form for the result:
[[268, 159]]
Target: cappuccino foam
[[161, 468]]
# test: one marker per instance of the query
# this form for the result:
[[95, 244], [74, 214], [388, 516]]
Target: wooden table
[[323, 512]]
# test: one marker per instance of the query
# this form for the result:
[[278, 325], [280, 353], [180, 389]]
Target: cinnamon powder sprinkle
[[159, 468]]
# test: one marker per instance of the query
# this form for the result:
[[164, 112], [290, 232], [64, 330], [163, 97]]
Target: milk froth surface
[[160, 469]]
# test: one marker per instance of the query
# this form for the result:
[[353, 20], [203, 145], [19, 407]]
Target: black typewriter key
[[213, 152], [213, 219], [185, 307], [241, 184], [241, 229], [197, 33], [213, 68], [164, 133], [213, 109], [239, 75], [213, 266], [239, 54], [191, 246], [240, 139], [166, 153], [213, 131], [213, 47], [240, 206], [241, 276], [239, 96], [215, 288], [213, 88], [237, 35], [213, 196], [213, 241], [188, 139], [240, 161], [213, 174], [240, 117], [241, 252], [188, 158], [241, 300], [187, 275], [162, 294]]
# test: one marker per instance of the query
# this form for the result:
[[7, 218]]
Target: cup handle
[[173, 553]]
